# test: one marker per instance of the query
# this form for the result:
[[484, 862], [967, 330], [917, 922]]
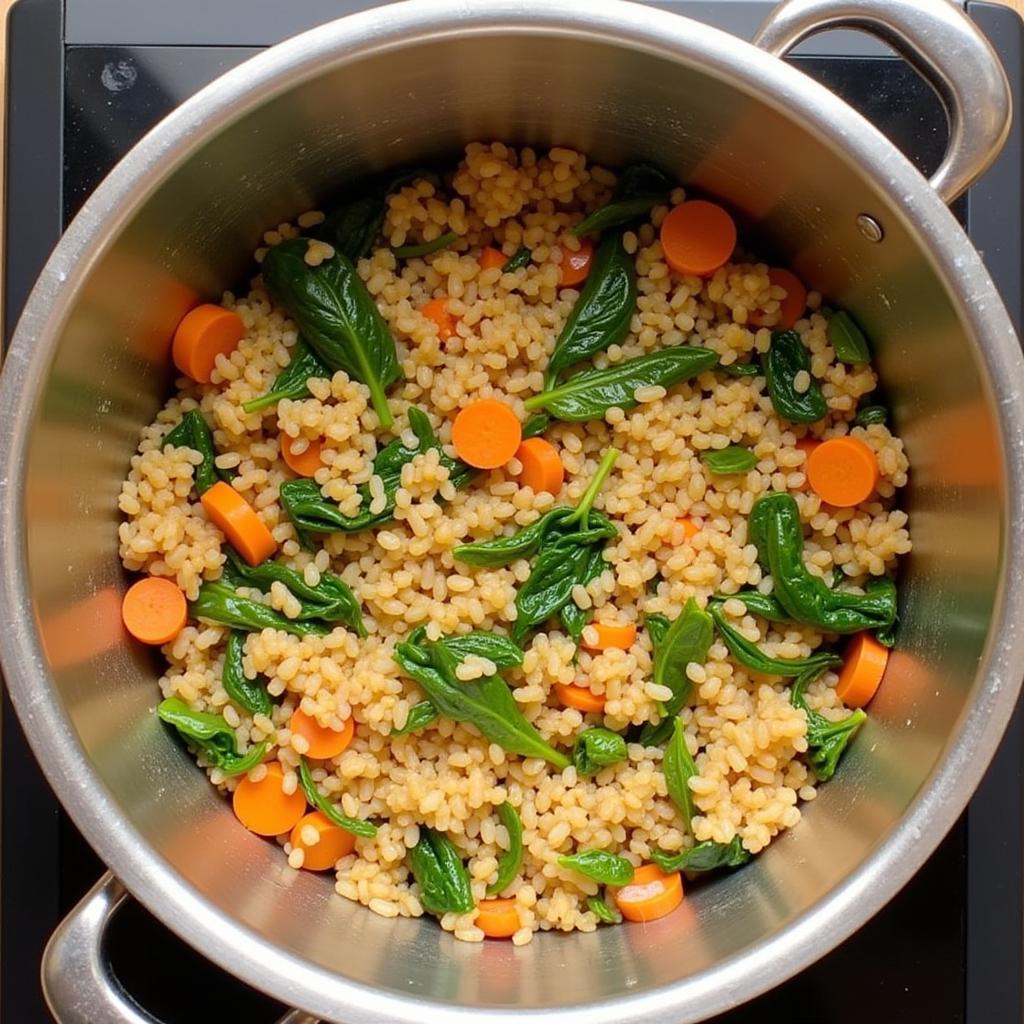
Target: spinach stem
[[582, 513]]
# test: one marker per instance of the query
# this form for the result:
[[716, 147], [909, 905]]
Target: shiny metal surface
[[178, 218]]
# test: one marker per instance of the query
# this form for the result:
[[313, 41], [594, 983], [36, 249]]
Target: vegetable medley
[[521, 549]]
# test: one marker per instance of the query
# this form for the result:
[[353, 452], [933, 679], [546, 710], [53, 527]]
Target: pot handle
[[78, 981], [939, 40]]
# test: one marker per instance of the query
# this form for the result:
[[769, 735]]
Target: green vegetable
[[511, 860], [639, 189], [604, 913], [706, 856], [679, 768], [774, 527], [734, 459], [250, 694], [499, 649], [871, 414], [847, 339], [316, 799], [218, 602], [658, 627], [740, 369], [826, 741], [330, 601], [782, 362], [440, 874], [407, 252], [520, 258], [523, 543], [337, 317], [603, 311], [596, 749], [192, 432], [601, 866], [420, 716], [590, 394], [766, 606], [292, 381], [211, 736]]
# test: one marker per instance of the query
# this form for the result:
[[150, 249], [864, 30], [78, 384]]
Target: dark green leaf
[[217, 602], [211, 736], [847, 339], [782, 362], [407, 252], [679, 768], [549, 587], [420, 716], [536, 425], [440, 874], [706, 856], [640, 188], [492, 646], [734, 459], [826, 740], [519, 259], [316, 799], [869, 414], [292, 381], [511, 860], [601, 866], [604, 913], [740, 369], [250, 694], [658, 627], [192, 432], [597, 748], [765, 606]]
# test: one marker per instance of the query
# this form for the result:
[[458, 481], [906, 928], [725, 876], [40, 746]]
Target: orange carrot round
[[333, 843], [264, 807], [154, 610], [542, 465], [579, 697], [304, 463], [576, 264], [491, 258], [690, 528], [862, 670], [235, 518], [610, 635], [792, 307], [486, 434], [498, 918], [807, 445], [322, 739], [843, 471], [437, 310], [697, 237], [203, 334], [651, 894]]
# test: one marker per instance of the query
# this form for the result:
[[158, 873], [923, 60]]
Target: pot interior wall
[[193, 236]]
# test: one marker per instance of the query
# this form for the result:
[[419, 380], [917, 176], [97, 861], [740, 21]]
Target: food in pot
[[538, 543]]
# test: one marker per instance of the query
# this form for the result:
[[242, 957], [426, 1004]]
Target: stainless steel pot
[[179, 218]]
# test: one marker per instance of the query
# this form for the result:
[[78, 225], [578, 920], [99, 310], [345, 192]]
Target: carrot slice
[[203, 334], [807, 445], [862, 670], [792, 307], [697, 237], [154, 610], [437, 310], [235, 518], [322, 739], [690, 528], [486, 434], [333, 843], [843, 471], [303, 463], [542, 465], [264, 807], [498, 918], [579, 697], [651, 894], [576, 264], [610, 635], [491, 257]]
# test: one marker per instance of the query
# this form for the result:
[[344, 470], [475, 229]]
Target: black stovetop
[[87, 78]]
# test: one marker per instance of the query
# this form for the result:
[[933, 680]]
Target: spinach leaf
[[192, 432], [740, 369], [658, 627], [523, 543], [574, 619], [440, 874], [549, 587], [595, 749], [492, 646], [420, 716], [520, 258], [407, 252], [601, 866], [734, 459], [511, 860], [217, 602], [766, 606], [291, 382], [847, 339], [536, 425], [250, 694], [590, 394], [316, 799], [603, 312], [826, 740], [639, 189], [336, 315], [679, 768], [706, 856], [782, 362], [869, 414], [602, 911], [211, 736]]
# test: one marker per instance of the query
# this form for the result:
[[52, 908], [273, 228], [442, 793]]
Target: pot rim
[[671, 36]]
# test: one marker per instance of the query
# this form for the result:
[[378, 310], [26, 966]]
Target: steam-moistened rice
[[747, 739]]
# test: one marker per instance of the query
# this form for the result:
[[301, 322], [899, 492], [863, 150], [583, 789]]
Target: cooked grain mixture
[[439, 799]]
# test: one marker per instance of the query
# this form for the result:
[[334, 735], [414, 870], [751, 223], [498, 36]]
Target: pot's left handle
[[78, 981]]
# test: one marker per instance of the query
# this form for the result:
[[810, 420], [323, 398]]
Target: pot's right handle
[[946, 48]]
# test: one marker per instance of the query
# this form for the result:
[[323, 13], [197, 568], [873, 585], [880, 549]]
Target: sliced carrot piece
[[264, 807], [437, 310], [862, 670], [690, 528], [651, 894], [579, 697], [235, 518], [154, 610], [304, 463], [491, 257], [203, 334], [843, 471], [542, 465], [323, 740], [498, 918], [792, 307], [486, 434], [697, 237], [576, 264], [610, 635], [333, 842], [807, 445]]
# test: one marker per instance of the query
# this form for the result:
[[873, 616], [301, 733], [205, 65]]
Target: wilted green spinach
[[782, 362], [826, 740], [536, 425], [639, 189], [604, 913], [519, 259], [293, 381], [192, 432], [511, 860], [211, 736], [221, 603], [420, 716], [706, 856], [250, 694], [601, 866], [440, 874], [595, 749], [734, 459], [407, 252], [869, 414], [316, 799], [679, 768], [847, 339]]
